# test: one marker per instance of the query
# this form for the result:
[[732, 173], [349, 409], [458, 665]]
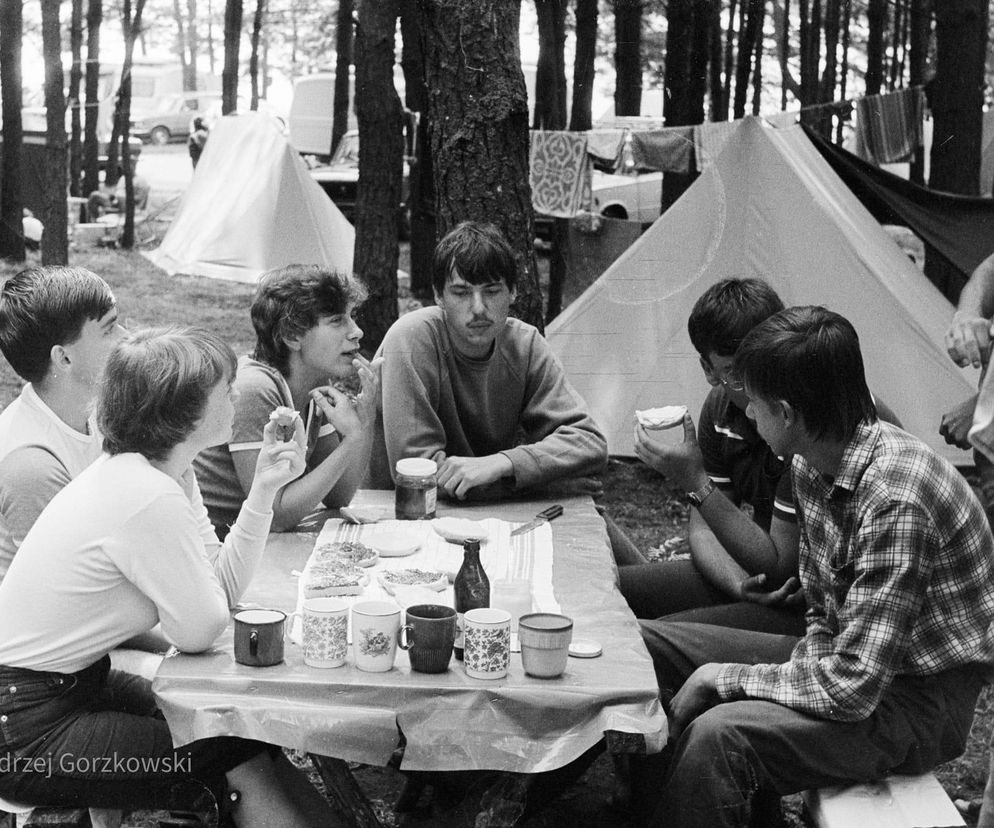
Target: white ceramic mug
[[487, 647], [324, 631], [375, 625]]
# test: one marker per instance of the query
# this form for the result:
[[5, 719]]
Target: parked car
[[339, 178], [170, 120]]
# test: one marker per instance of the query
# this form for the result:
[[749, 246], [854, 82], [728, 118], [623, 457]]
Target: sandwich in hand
[[286, 422], [659, 418]]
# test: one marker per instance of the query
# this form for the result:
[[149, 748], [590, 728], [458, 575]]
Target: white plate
[[394, 544], [438, 585], [457, 530]]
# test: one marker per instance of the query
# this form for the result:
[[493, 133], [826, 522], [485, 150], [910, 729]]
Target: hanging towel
[[889, 127], [669, 149], [559, 172], [605, 147], [709, 138]]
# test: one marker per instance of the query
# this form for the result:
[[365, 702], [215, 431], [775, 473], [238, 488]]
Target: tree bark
[[181, 43], [719, 107], [550, 114], [679, 28], [876, 20], [421, 176], [550, 76], [726, 96], [743, 65], [478, 114], [628, 57], [193, 44], [581, 116], [920, 18], [54, 242], [757, 62], [232, 41], [132, 25], [343, 48], [91, 146], [381, 159], [957, 94], [11, 199], [257, 19], [75, 82]]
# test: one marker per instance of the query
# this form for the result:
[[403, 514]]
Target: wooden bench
[[894, 802]]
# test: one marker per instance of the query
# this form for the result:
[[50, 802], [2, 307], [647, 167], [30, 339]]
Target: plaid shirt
[[897, 564]]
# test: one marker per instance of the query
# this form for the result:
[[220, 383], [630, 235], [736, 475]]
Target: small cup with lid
[[416, 489]]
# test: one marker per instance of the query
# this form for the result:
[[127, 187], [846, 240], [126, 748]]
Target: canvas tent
[[771, 207], [252, 206]]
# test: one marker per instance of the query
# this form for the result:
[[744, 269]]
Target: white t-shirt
[[121, 548], [39, 455]]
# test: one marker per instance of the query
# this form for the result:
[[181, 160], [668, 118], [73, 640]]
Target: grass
[[636, 497]]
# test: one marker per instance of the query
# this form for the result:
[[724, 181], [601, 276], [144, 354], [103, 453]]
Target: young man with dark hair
[[897, 565], [306, 340], [726, 464], [57, 326], [478, 392]]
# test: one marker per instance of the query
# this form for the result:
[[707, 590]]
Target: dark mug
[[428, 635], [259, 637]]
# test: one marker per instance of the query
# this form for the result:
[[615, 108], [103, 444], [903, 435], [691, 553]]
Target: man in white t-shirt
[[57, 326]]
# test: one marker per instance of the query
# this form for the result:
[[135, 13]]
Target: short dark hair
[[727, 311], [809, 357], [478, 252], [155, 387], [41, 307], [291, 300]]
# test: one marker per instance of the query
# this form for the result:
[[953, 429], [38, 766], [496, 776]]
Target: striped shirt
[[897, 564]]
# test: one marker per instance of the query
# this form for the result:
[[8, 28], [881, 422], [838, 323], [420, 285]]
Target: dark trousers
[[95, 738], [733, 751]]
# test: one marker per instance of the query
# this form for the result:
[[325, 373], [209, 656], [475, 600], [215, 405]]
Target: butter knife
[[542, 517]]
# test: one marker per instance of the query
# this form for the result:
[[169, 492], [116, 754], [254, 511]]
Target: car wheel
[[159, 135], [615, 211]]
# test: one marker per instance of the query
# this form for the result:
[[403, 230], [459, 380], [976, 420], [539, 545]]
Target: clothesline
[[888, 130]]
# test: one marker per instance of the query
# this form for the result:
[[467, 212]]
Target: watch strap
[[698, 496]]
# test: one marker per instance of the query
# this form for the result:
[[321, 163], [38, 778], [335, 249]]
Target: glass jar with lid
[[417, 491]]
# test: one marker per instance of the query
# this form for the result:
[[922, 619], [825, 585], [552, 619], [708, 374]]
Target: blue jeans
[[96, 738]]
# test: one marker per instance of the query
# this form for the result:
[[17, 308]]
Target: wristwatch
[[700, 495]]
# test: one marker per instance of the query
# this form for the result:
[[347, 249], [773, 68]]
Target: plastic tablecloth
[[449, 721]]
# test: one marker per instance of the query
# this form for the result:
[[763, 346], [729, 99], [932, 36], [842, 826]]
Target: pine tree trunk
[[422, 195], [75, 82], [257, 19], [679, 28], [132, 28], [343, 47], [181, 48], [478, 115], [581, 116], [743, 63], [381, 159], [719, 107], [232, 41], [91, 121], [193, 44], [54, 243], [957, 94], [699, 54], [628, 57], [757, 64], [920, 16], [11, 199], [726, 97], [876, 19]]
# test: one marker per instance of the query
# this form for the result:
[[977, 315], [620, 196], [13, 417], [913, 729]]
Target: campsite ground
[[638, 499]]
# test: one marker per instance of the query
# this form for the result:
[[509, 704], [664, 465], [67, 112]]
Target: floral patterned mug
[[375, 625], [488, 643], [324, 623]]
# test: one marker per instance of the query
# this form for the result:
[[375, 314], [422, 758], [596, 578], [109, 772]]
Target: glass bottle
[[471, 587]]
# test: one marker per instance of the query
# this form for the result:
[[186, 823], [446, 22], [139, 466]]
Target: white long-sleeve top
[[121, 548]]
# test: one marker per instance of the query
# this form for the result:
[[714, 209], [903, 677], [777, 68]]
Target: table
[[449, 721]]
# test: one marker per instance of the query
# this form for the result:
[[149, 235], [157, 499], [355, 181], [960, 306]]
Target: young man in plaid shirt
[[897, 565]]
